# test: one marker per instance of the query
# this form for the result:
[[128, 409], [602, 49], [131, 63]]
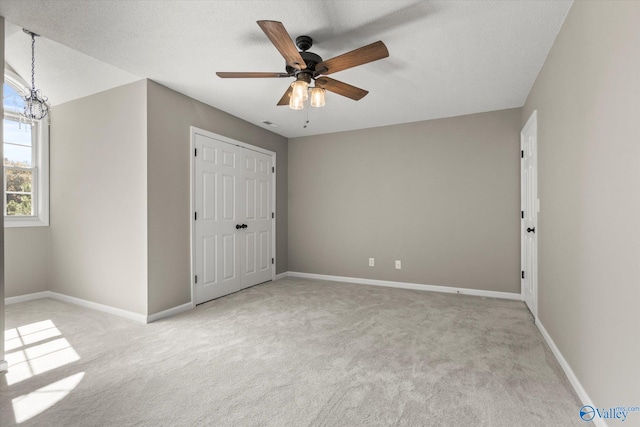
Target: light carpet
[[295, 352]]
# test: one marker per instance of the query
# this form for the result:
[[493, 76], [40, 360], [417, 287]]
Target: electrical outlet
[[372, 262], [398, 264]]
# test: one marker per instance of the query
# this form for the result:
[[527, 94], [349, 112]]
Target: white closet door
[[233, 228], [218, 200], [529, 214], [256, 255]]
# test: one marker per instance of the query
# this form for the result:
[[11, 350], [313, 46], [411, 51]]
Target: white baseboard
[[577, 386], [405, 285], [100, 307], [281, 276], [27, 297], [78, 301], [169, 312]]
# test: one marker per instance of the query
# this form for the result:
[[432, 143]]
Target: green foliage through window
[[19, 205], [19, 187]]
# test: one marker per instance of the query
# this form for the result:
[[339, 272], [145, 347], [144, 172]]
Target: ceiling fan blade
[[282, 41], [226, 75], [341, 88], [285, 98], [360, 56]]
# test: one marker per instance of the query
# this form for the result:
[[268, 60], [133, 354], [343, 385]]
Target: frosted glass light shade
[[317, 97], [300, 88], [296, 103]]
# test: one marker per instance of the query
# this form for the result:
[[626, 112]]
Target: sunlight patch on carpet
[[34, 349], [29, 405]]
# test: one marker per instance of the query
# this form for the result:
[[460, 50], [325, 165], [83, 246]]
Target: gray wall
[[26, 260], [442, 196], [587, 97], [170, 114], [98, 231], [120, 213]]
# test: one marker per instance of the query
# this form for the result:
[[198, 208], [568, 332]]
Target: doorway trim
[[193, 131]]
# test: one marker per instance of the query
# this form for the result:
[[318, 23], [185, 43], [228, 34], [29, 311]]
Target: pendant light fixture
[[36, 106]]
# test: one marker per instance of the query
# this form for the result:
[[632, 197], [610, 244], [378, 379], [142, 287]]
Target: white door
[[256, 219], [529, 213], [232, 218]]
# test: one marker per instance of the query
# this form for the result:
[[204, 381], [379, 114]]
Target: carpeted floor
[[288, 353]]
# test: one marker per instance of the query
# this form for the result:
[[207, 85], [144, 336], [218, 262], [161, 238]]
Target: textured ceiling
[[447, 58]]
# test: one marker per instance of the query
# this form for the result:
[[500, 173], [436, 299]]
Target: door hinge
[[273, 215], [522, 214], [196, 279], [273, 261], [195, 152], [522, 274], [273, 168], [195, 216], [522, 154]]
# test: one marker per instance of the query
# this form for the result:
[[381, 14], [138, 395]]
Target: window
[[26, 161]]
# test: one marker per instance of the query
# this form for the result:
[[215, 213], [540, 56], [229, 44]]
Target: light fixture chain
[[33, 61]]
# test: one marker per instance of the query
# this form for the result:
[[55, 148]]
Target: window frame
[[39, 166]]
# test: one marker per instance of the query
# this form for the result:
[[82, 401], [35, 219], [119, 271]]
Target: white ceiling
[[447, 58]]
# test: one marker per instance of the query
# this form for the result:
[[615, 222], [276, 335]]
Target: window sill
[[24, 222]]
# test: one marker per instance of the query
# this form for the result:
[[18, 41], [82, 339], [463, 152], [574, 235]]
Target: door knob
[[238, 226], [244, 225], [531, 230]]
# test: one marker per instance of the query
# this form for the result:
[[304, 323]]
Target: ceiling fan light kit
[[307, 67]]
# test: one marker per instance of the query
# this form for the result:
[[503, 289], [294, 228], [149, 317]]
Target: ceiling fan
[[307, 66]]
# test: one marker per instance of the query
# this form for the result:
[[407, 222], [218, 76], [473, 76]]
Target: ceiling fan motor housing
[[310, 58]]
